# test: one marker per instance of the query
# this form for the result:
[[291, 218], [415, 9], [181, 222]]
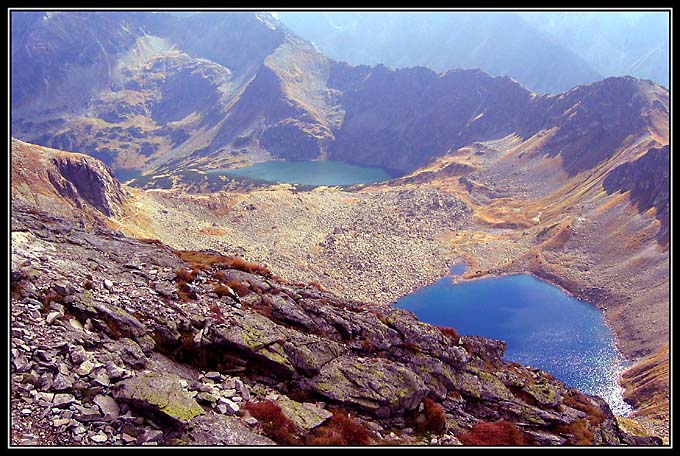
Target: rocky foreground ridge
[[124, 341]]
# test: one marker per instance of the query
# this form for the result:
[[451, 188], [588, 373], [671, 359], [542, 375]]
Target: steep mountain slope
[[173, 109], [144, 96], [125, 341], [401, 119], [68, 56], [500, 43], [74, 186]]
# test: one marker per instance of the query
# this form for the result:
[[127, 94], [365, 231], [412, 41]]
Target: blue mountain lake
[[543, 327], [309, 173]]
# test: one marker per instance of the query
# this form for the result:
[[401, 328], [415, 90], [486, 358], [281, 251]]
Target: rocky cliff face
[[119, 341], [75, 186]]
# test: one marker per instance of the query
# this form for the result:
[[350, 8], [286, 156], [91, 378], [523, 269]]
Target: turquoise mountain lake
[[543, 327], [309, 173]]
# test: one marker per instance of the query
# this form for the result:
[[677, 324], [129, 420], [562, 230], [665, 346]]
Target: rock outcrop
[[88, 182], [120, 341], [77, 186]]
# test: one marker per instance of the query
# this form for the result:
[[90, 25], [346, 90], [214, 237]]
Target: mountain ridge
[[319, 104], [501, 43]]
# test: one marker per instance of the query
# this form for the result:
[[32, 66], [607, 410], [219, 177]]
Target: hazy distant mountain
[[614, 43], [501, 44], [156, 91]]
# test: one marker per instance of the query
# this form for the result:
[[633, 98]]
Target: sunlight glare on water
[[543, 327]]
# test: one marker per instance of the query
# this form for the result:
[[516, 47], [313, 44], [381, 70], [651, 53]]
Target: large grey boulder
[[211, 429], [304, 415], [379, 386], [159, 393]]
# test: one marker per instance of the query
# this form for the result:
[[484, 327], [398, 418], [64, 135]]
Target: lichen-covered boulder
[[309, 354], [255, 336], [437, 375], [377, 385], [304, 415], [207, 430], [160, 394], [285, 309], [425, 338]]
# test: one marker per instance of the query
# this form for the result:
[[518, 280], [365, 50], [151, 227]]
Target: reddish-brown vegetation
[[222, 290], [151, 242], [501, 432], [16, 288], [263, 306], [51, 296], [246, 266], [647, 385], [316, 285], [220, 276], [185, 296], [431, 420], [274, 423], [184, 291], [577, 400], [114, 329], [239, 287], [340, 430], [366, 345], [578, 432], [434, 416], [450, 333], [454, 394], [203, 260], [184, 275], [217, 312]]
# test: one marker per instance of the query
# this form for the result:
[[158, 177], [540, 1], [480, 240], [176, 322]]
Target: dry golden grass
[[630, 426], [577, 432], [613, 201], [647, 384], [504, 213]]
